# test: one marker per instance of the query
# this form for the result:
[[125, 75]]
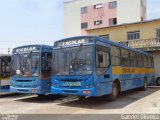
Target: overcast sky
[[39, 21]]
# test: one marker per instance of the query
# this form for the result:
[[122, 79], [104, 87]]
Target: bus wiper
[[26, 60], [75, 59], [19, 57]]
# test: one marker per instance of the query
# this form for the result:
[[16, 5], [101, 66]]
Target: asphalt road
[[129, 102]]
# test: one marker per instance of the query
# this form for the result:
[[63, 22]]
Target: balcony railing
[[143, 44]]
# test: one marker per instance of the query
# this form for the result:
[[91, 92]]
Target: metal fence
[[144, 44]]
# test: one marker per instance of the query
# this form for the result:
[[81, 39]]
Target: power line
[[6, 48], [27, 41]]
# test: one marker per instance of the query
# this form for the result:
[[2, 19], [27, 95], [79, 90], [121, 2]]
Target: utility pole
[[8, 50]]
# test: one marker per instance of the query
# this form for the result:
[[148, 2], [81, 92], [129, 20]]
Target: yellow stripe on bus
[[7, 78], [129, 70]]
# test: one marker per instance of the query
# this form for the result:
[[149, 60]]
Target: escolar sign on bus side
[[72, 42]]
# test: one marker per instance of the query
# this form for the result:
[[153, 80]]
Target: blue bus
[[94, 66], [31, 69], [5, 62]]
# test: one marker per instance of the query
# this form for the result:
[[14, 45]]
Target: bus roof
[[105, 41], [1, 55], [32, 47], [41, 45]]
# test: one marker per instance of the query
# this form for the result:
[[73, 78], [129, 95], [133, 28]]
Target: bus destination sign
[[26, 49], [72, 42]]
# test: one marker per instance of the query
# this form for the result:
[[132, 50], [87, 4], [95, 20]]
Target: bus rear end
[[28, 64]]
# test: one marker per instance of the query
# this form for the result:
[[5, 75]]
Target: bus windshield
[[73, 61], [26, 65]]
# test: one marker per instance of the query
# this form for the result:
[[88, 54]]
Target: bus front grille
[[23, 86], [22, 90], [70, 91], [71, 80], [23, 80]]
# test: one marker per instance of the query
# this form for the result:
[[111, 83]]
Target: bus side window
[[116, 59], [46, 64], [0, 69], [149, 62], [102, 59], [140, 60], [133, 59], [152, 62], [145, 61], [125, 58]]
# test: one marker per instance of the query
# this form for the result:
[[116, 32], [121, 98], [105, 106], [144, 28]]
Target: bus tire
[[144, 88], [81, 98], [158, 81], [113, 96], [41, 95]]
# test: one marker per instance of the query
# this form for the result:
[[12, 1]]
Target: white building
[[82, 15]]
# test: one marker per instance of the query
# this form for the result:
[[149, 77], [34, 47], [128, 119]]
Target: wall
[[126, 13], [119, 33], [72, 19]]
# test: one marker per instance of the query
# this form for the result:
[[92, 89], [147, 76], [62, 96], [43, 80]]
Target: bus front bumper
[[25, 90], [77, 92]]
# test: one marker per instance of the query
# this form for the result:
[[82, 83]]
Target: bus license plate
[[75, 84]]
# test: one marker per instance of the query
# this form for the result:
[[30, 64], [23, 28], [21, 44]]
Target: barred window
[[133, 35], [158, 33]]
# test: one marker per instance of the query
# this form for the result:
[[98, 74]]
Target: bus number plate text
[[74, 84]]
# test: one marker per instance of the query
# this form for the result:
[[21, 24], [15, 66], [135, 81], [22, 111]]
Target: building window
[[97, 6], [113, 5], [142, 18], [158, 33], [84, 25], [133, 35], [84, 10], [98, 22], [112, 21], [105, 36]]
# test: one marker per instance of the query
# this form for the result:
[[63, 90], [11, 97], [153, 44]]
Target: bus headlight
[[87, 86]]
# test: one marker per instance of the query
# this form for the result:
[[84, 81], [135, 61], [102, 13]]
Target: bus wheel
[[81, 98], [41, 95], [144, 88], [114, 93], [158, 82]]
